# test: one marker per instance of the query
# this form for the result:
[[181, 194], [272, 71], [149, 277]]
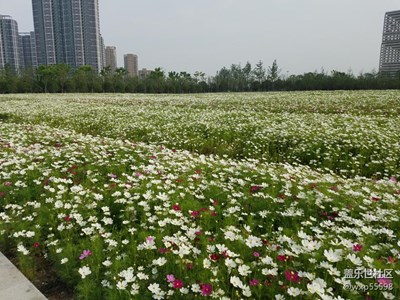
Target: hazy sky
[[205, 35]]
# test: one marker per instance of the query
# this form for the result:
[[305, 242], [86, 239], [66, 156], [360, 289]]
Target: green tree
[[61, 72], [259, 72], [46, 76], [273, 72]]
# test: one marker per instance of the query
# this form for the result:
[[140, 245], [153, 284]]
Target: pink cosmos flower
[[170, 278], [206, 289], [85, 253], [256, 254], [384, 281]]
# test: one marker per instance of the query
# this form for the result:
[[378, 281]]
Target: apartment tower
[[28, 49], [389, 62], [10, 47], [111, 58], [68, 31], [131, 64]]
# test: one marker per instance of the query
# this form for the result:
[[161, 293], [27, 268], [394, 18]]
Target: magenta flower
[[206, 289], [195, 213], [176, 207], [357, 247], [178, 284], [254, 282], [256, 254], [85, 253], [255, 188], [292, 276]]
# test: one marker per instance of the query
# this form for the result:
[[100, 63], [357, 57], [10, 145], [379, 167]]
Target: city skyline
[[214, 34]]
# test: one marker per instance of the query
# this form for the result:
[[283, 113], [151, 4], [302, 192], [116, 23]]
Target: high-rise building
[[68, 31], [10, 48], [390, 51], [143, 73], [28, 49], [131, 64], [111, 58], [103, 52]]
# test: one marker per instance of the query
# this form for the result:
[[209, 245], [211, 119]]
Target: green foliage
[[60, 78]]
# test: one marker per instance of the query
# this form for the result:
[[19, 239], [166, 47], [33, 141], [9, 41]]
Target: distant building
[[28, 49], [103, 52], [68, 31], [10, 47], [390, 51], [143, 73], [131, 64], [111, 58]]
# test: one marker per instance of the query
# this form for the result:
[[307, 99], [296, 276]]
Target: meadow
[[224, 196]]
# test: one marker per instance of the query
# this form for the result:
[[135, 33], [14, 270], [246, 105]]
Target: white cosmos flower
[[333, 255], [310, 246], [64, 260], [84, 271], [244, 270], [121, 285], [388, 295], [292, 291], [156, 290], [354, 259], [253, 241], [317, 286], [246, 291], [236, 282], [160, 261], [22, 249]]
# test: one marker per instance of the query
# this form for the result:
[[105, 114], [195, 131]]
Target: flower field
[[243, 196]]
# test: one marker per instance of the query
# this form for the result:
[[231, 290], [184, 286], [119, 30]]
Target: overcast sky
[[205, 35]]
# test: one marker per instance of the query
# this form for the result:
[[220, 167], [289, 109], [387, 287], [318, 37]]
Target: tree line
[[61, 78]]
